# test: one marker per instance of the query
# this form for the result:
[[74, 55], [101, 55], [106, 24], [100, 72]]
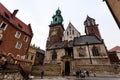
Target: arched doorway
[[67, 68]]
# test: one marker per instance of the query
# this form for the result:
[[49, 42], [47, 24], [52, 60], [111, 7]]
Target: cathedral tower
[[91, 28], [56, 29]]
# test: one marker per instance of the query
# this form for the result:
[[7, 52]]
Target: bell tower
[[91, 28], [56, 29]]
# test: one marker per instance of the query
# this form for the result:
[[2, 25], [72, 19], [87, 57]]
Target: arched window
[[54, 55], [81, 52], [95, 51]]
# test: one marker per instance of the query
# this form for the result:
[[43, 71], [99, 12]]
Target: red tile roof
[[115, 49], [4, 12]]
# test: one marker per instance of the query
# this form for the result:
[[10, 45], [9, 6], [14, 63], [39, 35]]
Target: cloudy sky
[[39, 13]]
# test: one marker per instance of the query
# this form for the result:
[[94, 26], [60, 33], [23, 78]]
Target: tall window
[[25, 38], [81, 52], [95, 51], [18, 45], [3, 25], [18, 34], [32, 57], [54, 55]]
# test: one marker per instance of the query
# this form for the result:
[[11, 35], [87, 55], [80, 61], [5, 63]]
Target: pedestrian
[[63, 73], [94, 74], [77, 73], [87, 73], [42, 74]]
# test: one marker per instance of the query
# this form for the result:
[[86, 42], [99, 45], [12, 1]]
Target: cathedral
[[68, 48]]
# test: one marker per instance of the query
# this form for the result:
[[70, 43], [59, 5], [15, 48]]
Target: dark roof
[[82, 40], [5, 13], [57, 45], [40, 51]]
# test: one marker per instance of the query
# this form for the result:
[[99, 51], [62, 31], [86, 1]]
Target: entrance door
[[67, 68]]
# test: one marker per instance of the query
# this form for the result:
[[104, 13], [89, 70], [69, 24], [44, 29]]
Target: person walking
[[87, 73], [42, 74]]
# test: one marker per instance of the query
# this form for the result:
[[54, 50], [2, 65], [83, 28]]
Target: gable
[[70, 33]]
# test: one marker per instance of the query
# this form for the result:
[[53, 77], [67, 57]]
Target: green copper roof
[[57, 18]]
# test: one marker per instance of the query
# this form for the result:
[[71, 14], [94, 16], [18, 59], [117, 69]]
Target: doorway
[[67, 68]]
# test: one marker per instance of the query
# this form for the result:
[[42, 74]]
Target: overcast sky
[[39, 13]]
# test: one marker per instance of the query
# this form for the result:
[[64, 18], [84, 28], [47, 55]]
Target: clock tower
[[56, 29]]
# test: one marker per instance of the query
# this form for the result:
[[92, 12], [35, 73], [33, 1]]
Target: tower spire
[[91, 28]]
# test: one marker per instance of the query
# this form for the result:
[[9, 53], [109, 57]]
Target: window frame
[[18, 45], [17, 35], [83, 54], [95, 51], [54, 55], [4, 26], [25, 38]]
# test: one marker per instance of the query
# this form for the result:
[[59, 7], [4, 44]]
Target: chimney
[[29, 25], [15, 12]]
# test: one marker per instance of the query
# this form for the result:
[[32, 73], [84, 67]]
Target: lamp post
[[89, 52]]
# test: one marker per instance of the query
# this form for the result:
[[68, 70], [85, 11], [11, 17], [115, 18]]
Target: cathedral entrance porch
[[67, 65]]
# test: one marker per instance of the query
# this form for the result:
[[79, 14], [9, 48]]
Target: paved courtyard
[[74, 78]]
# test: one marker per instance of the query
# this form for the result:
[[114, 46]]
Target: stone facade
[[75, 49]]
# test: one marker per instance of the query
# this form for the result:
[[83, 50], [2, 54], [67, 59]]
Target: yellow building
[[31, 53]]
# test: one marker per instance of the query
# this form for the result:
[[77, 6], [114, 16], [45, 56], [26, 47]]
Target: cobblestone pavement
[[74, 78]]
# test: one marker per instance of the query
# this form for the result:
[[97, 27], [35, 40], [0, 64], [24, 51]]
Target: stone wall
[[49, 70], [55, 69]]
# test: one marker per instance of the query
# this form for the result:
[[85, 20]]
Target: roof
[[86, 39], [5, 13], [115, 49], [82, 40], [57, 45], [40, 51]]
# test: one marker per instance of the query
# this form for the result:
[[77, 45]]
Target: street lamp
[[89, 52]]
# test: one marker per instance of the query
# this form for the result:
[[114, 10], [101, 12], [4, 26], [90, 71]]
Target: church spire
[[57, 18]]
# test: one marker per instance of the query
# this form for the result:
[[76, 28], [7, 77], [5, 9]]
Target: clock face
[[54, 32]]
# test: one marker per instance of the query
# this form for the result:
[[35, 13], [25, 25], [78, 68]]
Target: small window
[[95, 51], [25, 38], [3, 25], [32, 57], [18, 34], [55, 19], [54, 55], [81, 52], [6, 15], [73, 32], [19, 26], [18, 45]]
